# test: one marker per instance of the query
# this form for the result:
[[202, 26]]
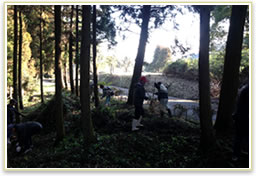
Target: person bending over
[[24, 132]]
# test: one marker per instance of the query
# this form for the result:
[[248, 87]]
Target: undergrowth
[[161, 143]]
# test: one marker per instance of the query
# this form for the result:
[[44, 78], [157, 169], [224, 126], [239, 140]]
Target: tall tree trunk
[[64, 78], [71, 53], [77, 51], [230, 78], [58, 84], [95, 77], [41, 56], [87, 126], [207, 136], [141, 52], [15, 95], [20, 63]]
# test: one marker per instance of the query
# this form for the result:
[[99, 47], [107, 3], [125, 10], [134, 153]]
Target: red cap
[[143, 79]]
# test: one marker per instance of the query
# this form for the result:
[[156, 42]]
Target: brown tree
[[87, 127], [207, 136], [41, 55], [95, 77], [64, 75], [58, 84], [20, 61], [15, 92], [77, 49], [141, 51], [71, 52], [230, 78]]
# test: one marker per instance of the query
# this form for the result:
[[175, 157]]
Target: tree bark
[[87, 126], [58, 84], [20, 63], [230, 78], [141, 52], [95, 77], [41, 57], [77, 51], [15, 94], [207, 136], [71, 53]]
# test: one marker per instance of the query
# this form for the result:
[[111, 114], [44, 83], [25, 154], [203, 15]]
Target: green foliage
[[104, 83], [102, 115], [218, 32], [132, 14], [29, 83], [162, 56], [220, 13], [179, 66], [187, 68], [105, 25], [216, 62], [32, 18], [245, 59]]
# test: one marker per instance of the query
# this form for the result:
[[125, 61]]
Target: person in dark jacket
[[12, 112], [139, 97], [24, 133], [163, 98], [241, 118], [106, 92], [12, 116]]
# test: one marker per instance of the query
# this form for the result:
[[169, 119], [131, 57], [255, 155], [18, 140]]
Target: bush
[[102, 115], [179, 66], [183, 68]]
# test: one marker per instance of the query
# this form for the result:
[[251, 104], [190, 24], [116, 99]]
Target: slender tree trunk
[[41, 57], [207, 136], [230, 78], [20, 63], [65, 80], [58, 84], [77, 51], [141, 52], [71, 53], [65, 62], [15, 95], [87, 126], [95, 77]]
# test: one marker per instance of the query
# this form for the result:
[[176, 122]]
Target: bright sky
[[164, 36]]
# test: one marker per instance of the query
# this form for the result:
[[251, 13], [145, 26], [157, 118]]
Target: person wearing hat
[[139, 97], [163, 98]]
